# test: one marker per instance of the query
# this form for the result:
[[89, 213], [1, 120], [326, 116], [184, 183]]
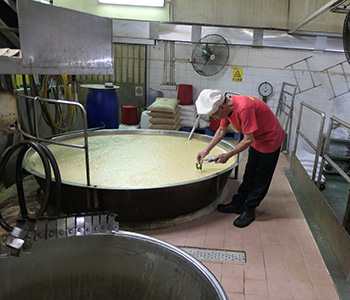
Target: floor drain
[[216, 255]]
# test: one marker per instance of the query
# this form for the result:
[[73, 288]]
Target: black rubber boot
[[246, 218], [235, 206]]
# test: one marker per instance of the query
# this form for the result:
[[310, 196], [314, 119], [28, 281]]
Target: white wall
[[265, 64]]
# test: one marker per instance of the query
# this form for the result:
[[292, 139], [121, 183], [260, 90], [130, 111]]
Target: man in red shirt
[[263, 135]]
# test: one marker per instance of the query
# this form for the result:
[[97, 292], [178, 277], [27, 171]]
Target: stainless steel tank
[[139, 205], [86, 257]]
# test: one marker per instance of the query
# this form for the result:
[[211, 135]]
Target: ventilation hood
[[136, 32]]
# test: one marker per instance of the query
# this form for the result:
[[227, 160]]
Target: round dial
[[265, 89]]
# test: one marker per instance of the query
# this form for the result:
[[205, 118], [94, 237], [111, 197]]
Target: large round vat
[[159, 189], [118, 266]]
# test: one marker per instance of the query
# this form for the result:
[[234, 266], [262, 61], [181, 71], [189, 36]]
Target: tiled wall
[[265, 64]]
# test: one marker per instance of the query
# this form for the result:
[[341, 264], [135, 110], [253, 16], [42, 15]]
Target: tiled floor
[[283, 261]]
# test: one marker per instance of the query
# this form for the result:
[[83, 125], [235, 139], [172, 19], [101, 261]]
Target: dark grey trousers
[[257, 176]]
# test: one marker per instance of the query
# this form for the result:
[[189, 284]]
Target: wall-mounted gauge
[[265, 89]]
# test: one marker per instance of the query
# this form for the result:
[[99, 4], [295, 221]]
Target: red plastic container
[[185, 94], [130, 115], [214, 124]]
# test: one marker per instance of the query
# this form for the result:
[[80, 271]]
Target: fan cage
[[346, 37], [210, 55]]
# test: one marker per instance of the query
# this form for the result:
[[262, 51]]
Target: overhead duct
[[61, 55], [328, 6], [148, 33]]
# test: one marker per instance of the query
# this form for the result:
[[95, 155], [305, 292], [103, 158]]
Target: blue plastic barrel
[[102, 106]]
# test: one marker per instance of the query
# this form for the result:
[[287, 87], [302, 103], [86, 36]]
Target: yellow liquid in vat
[[133, 160]]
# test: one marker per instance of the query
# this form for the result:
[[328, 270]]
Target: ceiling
[[307, 15], [312, 17], [266, 14]]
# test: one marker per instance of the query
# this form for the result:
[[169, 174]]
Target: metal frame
[[53, 141], [328, 6], [286, 108], [331, 235], [317, 148], [309, 71], [63, 45], [330, 81], [334, 120]]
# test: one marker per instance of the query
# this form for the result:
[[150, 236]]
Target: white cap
[[208, 101]]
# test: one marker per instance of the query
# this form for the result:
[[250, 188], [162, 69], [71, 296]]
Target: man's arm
[[242, 145], [218, 136]]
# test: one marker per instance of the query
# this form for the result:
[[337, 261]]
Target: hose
[[46, 157], [58, 180], [19, 181], [65, 115]]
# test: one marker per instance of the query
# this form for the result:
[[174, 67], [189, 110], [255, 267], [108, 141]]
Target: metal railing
[[309, 72], [285, 108], [331, 83], [322, 150], [36, 137], [317, 148], [326, 158]]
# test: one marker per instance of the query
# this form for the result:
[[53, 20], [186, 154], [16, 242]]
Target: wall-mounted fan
[[210, 55], [346, 37]]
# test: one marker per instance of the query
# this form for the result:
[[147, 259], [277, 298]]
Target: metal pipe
[[326, 148], [298, 61], [297, 129], [312, 108], [52, 141], [317, 148], [317, 13], [308, 68], [8, 29], [296, 79], [194, 127], [335, 166], [329, 78]]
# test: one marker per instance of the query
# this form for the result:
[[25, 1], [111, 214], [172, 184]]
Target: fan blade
[[204, 66], [210, 55], [198, 55]]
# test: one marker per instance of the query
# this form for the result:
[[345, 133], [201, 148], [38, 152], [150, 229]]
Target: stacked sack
[[164, 114], [188, 116]]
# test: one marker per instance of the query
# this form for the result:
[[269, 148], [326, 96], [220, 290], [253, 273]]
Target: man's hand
[[222, 158], [201, 155]]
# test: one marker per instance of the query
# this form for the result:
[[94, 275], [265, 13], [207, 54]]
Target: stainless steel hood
[[55, 37], [58, 40], [149, 32]]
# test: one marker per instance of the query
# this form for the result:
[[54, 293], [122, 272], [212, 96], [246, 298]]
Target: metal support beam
[[317, 13], [9, 34], [309, 72], [330, 81], [12, 4]]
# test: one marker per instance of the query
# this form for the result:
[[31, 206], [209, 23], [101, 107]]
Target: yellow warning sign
[[237, 74]]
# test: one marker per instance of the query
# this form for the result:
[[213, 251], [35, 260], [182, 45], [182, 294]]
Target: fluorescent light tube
[[155, 3]]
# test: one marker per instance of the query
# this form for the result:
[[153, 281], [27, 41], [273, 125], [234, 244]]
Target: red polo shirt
[[252, 115]]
